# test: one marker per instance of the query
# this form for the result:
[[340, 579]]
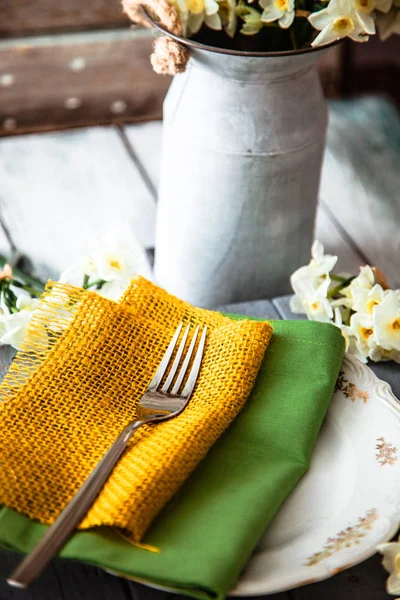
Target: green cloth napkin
[[208, 532]]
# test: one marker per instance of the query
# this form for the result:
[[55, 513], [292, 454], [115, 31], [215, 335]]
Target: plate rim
[[386, 396]]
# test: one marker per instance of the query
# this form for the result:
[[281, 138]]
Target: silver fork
[[158, 403]]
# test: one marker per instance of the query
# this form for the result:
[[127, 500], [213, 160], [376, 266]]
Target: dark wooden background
[[73, 63]]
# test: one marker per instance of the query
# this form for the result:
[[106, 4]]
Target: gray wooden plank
[[59, 190], [78, 580], [335, 242], [263, 309], [361, 178], [47, 587], [282, 306], [145, 139], [86, 78], [63, 580]]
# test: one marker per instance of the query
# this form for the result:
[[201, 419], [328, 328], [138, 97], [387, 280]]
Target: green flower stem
[[336, 290], [97, 283], [337, 277], [85, 283], [27, 288], [34, 282]]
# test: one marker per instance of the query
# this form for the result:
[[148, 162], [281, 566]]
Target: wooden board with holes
[[42, 16], [78, 79]]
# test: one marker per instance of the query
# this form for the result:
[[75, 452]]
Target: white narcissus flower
[[365, 280], [339, 20], [362, 328], [318, 269], [311, 301], [252, 20], [322, 263], [113, 261], [366, 299], [387, 322], [391, 562], [378, 354], [202, 11], [278, 10], [14, 326], [184, 15], [389, 23], [227, 11]]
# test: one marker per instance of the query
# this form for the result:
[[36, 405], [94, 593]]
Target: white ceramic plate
[[349, 500]]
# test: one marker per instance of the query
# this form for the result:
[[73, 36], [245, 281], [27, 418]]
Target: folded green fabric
[[208, 532]]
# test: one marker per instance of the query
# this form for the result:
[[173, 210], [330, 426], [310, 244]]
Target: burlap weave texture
[[74, 386]]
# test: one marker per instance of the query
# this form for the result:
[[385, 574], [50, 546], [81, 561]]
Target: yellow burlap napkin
[[74, 385]]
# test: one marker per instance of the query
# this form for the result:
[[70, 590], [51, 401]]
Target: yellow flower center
[[282, 5], [366, 332], [396, 324], [315, 305], [371, 305], [115, 264], [343, 26], [365, 6], [397, 564], [195, 6]]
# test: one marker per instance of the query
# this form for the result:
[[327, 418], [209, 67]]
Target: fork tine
[[191, 380], [185, 365], [176, 362], [155, 382]]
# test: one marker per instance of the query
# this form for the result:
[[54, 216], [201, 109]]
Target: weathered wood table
[[58, 190]]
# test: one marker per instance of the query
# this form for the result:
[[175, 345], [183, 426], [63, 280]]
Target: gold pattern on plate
[[345, 539], [387, 453], [350, 390]]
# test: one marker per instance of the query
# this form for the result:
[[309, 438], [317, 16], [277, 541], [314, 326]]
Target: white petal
[[393, 584], [195, 22], [266, 3], [213, 22], [327, 263], [343, 7], [326, 36], [320, 19], [271, 13], [317, 249], [211, 7], [286, 19], [368, 24], [389, 550], [296, 305]]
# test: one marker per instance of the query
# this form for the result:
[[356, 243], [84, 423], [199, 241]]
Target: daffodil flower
[[351, 343], [391, 562], [389, 23], [362, 329], [112, 263], [339, 20], [14, 326], [316, 273], [227, 12], [387, 322], [365, 300], [311, 301], [278, 10], [251, 18], [196, 12], [365, 280]]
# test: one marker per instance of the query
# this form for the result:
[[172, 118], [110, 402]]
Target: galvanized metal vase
[[243, 140]]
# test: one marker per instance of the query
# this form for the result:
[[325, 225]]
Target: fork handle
[[68, 520]]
